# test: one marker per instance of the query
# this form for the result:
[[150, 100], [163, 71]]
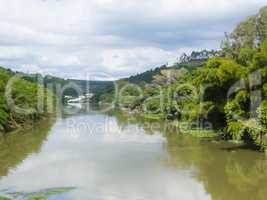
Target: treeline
[[200, 56], [22, 101], [71, 87], [229, 90]]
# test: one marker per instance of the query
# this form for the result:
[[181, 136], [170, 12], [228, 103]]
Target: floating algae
[[40, 195]]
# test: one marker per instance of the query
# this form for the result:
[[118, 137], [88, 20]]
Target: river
[[97, 156]]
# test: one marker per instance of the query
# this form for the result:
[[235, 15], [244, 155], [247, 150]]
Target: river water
[[100, 156]]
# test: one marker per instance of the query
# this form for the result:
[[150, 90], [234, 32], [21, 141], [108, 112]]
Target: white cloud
[[135, 58], [13, 52], [120, 37], [31, 68]]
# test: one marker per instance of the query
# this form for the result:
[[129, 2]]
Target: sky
[[110, 39]]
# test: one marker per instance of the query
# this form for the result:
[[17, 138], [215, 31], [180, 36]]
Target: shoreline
[[29, 124], [207, 134]]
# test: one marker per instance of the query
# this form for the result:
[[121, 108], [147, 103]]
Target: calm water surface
[[106, 157]]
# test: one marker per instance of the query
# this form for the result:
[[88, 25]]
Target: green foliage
[[235, 128], [221, 72], [262, 113], [25, 96], [238, 106], [145, 77], [259, 61], [203, 133], [4, 198], [264, 48], [153, 105], [43, 195], [153, 116], [40, 195], [245, 56], [248, 34]]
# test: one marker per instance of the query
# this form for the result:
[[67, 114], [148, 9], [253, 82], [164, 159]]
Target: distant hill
[[83, 85], [190, 62], [92, 86], [145, 77]]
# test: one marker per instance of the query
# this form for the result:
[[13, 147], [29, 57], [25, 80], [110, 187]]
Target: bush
[[25, 96]]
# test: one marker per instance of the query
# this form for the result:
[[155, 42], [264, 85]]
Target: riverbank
[[31, 124], [23, 102], [180, 128], [28, 124]]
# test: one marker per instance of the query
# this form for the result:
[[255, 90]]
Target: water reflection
[[115, 157], [235, 174], [227, 171], [15, 147]]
